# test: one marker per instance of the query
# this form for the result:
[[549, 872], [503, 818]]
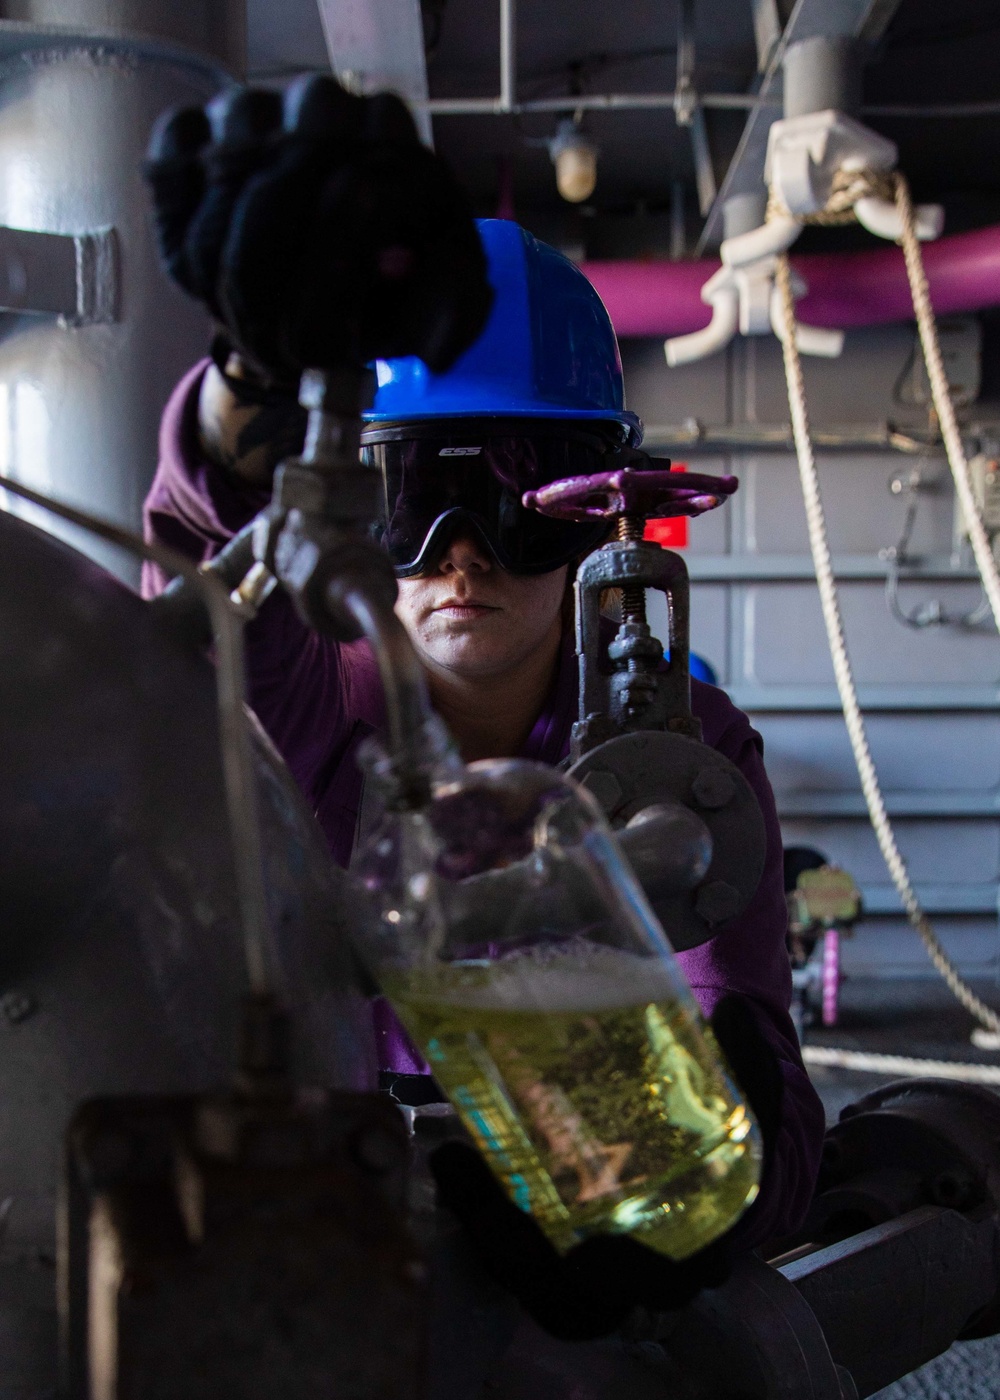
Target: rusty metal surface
[[121, 968], [899, 1294], [240, 1248]]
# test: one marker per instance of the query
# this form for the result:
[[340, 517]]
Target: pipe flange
[[631, 772]]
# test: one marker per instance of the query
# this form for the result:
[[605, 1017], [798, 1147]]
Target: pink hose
[[831, 976], [845, 289]]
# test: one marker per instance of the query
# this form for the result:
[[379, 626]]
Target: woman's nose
[[465, 554]]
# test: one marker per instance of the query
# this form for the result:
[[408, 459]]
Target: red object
[[673, 533]]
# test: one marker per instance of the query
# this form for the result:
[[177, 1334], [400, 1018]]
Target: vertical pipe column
[[742, 213], [80, 405], [820, 74], [508, 54]]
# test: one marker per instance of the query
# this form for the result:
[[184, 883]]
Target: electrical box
[[961, 339]]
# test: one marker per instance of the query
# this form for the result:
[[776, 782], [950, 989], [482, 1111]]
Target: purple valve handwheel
[[651, 495]]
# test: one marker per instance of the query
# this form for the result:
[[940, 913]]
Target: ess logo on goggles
[[440, 478]]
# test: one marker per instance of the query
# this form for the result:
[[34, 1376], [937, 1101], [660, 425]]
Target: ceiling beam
[[858, 19], [378, 44]]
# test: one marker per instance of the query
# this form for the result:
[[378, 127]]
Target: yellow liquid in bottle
[[593, 1095]]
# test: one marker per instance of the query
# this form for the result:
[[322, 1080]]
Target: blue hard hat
[[548, 351], [700, 669]]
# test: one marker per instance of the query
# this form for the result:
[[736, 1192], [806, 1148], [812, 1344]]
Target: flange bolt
[[713, 788], [717, 901]]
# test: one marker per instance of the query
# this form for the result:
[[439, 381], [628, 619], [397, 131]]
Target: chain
[[819, 544]]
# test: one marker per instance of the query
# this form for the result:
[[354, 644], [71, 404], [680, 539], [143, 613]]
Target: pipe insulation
[[845, 289]]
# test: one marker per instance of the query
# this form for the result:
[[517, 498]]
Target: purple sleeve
[[296, 679], [748, 956]]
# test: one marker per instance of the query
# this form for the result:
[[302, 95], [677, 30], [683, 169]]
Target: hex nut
[[376, 1151], [602, 784], [713, 788], [717, 901]]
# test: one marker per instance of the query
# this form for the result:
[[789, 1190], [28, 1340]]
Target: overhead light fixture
[[575, 159]]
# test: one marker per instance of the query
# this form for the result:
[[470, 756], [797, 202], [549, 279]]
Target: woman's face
[[475, 620]]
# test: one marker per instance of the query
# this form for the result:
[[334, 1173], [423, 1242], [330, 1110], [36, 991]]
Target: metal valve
[[636, 743], [644, 493], [637, 692]]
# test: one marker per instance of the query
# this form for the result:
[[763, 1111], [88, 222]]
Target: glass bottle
[[520, 953]]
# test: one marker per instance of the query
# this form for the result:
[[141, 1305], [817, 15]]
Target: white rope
[[867, 1062], [816, 522], [943, 406]]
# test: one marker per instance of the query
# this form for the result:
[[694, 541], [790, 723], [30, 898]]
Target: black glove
[[317, 229], [590, 1290]]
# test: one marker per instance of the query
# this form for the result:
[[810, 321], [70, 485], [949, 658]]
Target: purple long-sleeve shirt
[[318, 700]]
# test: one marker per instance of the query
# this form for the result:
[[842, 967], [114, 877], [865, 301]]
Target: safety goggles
[[468, 475]]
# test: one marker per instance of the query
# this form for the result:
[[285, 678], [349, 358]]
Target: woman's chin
[[467, 652]]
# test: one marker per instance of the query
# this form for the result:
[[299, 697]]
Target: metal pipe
[[742, 213], [508, 55], [685, 349], [989, 108], [678, 228], [234, 731], [646, 101], [704, 170], [822, 72], [80, 404], [585, 102], [754, 437], [685, 58], [869, 288], [417, 738]]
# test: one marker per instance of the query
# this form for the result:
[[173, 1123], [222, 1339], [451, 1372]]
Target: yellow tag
[[829, 895]]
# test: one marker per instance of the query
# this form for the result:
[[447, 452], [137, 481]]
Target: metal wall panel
[[914, 753], [783, 639], [862, 515]]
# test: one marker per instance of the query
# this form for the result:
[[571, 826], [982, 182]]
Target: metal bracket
[[73, 276]]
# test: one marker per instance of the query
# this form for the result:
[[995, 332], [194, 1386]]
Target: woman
[[483, 589]]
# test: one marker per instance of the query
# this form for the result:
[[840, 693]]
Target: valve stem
[[631, 529]]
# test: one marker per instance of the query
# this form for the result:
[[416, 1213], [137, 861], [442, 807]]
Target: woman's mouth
[[464, 609]]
